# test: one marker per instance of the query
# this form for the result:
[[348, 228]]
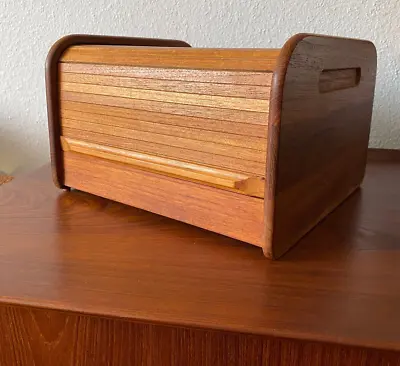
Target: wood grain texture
[[321, 103], [176, 86], [191, 146], [207, 124], [52, 87], [317, 144], [87, 281], [185, 143], [258, 118], [135, 124], [193, 75], [189, 58], [213, 101], [40, 337], [230, 163], [252, 186], [237, 215]]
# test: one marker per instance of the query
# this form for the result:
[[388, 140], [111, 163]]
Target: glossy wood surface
[[173, 152], [40, 337], [320, 117], [174, 168], [156, 118], [74, 252], [159, 122], [52, 87], [248, 116]]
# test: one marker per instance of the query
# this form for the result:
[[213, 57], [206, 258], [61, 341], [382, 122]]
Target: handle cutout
[[338, 79]]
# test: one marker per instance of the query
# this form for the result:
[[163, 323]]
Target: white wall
[[28, 28]]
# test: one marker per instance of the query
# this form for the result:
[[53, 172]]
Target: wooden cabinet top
[[80, 253]]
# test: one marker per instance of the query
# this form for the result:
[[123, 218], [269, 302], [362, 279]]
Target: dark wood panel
[[318, 140], [40, 337]]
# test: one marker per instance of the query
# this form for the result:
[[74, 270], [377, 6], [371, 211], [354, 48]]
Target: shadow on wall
[[16, 154]]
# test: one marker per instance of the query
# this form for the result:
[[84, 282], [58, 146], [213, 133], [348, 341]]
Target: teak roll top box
[[255, 144]]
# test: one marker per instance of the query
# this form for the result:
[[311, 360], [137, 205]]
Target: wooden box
[[255, 144]]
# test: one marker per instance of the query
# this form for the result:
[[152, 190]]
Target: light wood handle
[[252, 186]]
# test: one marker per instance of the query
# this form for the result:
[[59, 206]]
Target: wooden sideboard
[[86, 281]]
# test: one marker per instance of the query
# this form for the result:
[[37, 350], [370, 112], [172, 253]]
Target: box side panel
[[319, 135]]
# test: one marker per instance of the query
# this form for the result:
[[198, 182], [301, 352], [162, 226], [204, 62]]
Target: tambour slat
[[243, 104], [163, 129], [181, 57], [257, 118], [203, 76], [225, 90], [207, 124], [198, 157], [185, 143]]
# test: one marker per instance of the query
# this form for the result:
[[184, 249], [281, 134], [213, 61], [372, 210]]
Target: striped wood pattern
[[169, 140], [127, 102], [192, 75], [213, 101], [252, 118], [68, 108], [201, 157], [178, 86], [253, 59]]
